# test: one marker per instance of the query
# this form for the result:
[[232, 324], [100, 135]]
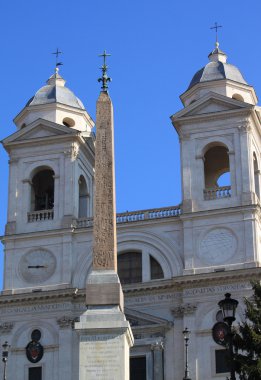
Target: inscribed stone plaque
[[101, 357]]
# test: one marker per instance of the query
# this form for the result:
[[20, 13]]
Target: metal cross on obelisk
[[216, 26], [104, 79]]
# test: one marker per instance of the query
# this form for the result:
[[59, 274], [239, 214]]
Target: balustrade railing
[[41, 215], [217, 193], [135, 216], [83, 222]]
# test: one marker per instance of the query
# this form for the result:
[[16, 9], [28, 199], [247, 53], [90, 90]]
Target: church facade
[[175, 263]]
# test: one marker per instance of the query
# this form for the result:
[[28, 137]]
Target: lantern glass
[[228, 307], [186, 333], [5, 350]]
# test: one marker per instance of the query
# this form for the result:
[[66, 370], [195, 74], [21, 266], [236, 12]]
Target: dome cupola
[[221, 77], [55, 102], [55, 92]]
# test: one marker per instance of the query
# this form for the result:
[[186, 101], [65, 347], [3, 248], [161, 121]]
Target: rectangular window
[[222, 361], [138, 368], [35, 373]]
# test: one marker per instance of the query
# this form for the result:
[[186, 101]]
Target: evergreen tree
[[247, 339]]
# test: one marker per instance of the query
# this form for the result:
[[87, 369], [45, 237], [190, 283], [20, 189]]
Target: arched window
[[217, 173], [43, 190], [256, 176], [156, 271], [131, 269], [83, 198]]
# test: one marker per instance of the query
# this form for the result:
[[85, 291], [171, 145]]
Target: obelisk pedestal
[[105, 335]]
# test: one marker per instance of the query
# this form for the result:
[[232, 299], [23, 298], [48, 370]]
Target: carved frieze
[[6, 327], [65, 322]]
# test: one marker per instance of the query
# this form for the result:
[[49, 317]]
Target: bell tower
[[50, 187], [219, 131]]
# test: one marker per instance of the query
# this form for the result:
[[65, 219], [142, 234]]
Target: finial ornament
[[216, 26], [57, 53], [104, 79]]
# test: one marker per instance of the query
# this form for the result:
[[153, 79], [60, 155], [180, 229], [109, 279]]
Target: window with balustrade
[[132, 268], [217, 173], [42, 195]]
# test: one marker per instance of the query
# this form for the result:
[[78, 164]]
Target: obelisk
[[105, 335]]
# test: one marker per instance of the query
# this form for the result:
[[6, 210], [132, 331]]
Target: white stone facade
[[207, 246]]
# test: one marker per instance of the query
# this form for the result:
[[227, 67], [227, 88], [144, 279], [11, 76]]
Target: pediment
[[211, 103], [39, 129], [139, 319]]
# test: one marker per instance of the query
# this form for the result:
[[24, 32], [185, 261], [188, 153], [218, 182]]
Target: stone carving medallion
[[217, 246]]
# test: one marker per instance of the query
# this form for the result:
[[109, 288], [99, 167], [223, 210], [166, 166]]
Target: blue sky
[[156, 48]]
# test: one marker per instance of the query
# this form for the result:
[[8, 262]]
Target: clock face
[[37, 266]]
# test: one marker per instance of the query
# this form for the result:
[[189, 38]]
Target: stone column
[[185, 317], [158, 371], [247, 191], [65, 347], [232, 167]]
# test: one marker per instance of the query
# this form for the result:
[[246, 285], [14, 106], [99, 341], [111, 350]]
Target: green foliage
[[247, 339]]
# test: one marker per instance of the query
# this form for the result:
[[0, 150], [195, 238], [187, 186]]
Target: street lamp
[[186, 334], [228, 307], [5, 357]]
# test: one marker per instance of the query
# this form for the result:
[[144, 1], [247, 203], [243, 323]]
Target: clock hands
[[37, 266]]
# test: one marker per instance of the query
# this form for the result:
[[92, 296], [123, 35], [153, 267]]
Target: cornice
[[57, 106], [193, 280], [71, 295], [176, 284], [178, 122], [219, 211]]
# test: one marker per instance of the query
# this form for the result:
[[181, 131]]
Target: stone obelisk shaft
[[104, 228], [105, 336]]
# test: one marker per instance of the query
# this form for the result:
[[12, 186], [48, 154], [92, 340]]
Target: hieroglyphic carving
[[104, 224]]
